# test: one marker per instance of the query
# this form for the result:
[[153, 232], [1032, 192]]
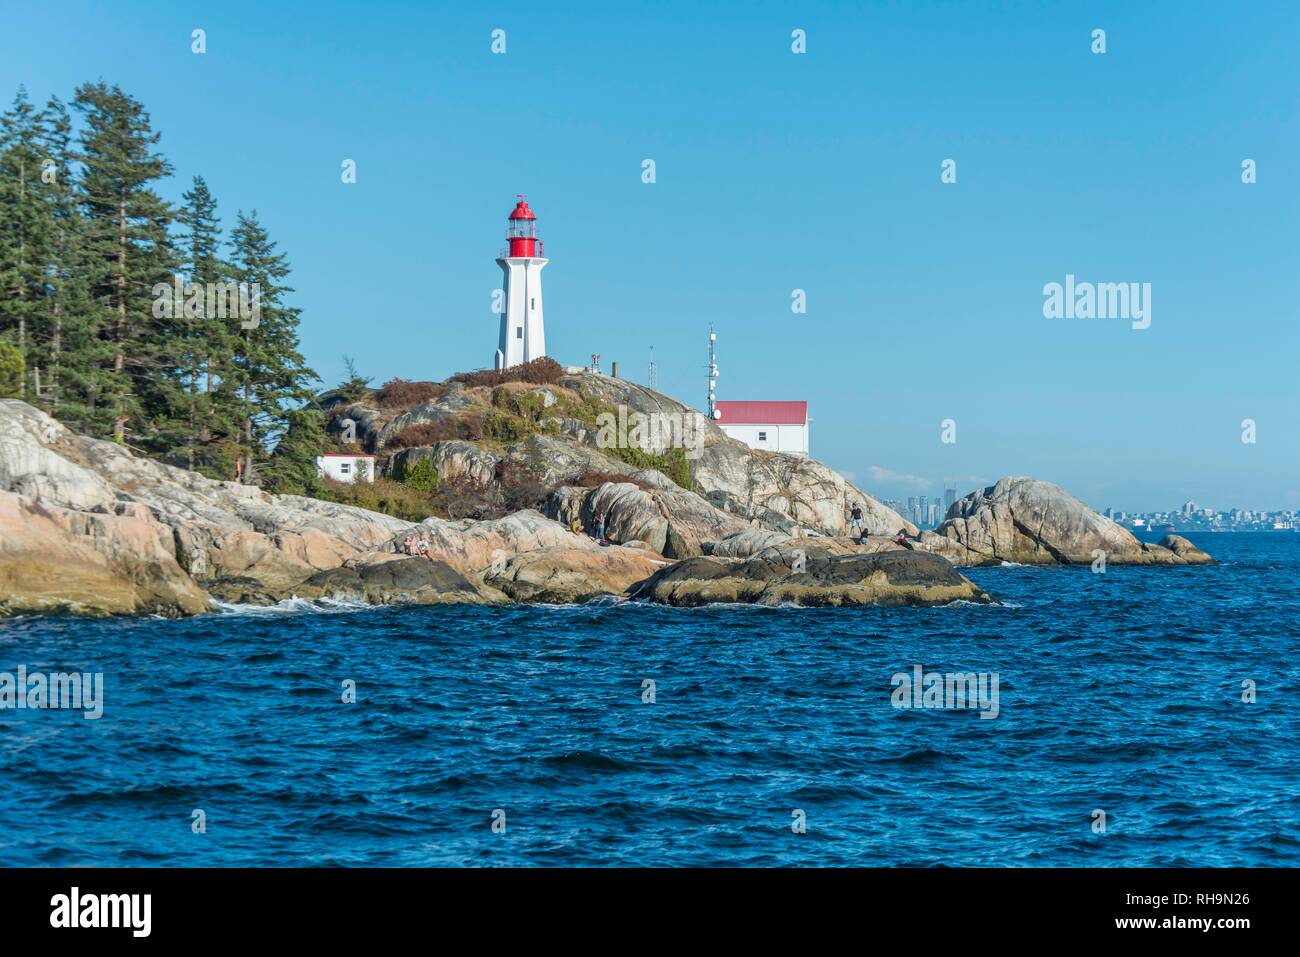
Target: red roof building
[[772, 426], [762, 413]]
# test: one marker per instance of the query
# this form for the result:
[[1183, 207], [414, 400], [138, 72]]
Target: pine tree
[[292, 469], [25, 227], [269, 371], [72, 350], [211, 414], [128, 253]]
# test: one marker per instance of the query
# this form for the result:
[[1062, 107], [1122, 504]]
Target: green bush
[[672, 462], [419, 475]]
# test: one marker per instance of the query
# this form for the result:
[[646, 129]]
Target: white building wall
[[345, 468], [523, 334], [776, 438]]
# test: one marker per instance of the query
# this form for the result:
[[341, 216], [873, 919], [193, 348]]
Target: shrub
[[382, 495], [672, 462], [543, 371], [425, 433], [419, 475], [592, 479], [462, 497], [405, 394], [521, 485], [508, 427]]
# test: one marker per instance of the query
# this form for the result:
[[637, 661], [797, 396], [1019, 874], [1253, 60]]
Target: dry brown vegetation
[[406, 394]]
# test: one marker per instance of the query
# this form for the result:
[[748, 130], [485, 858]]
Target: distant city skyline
[[928, 490], [824, 173]]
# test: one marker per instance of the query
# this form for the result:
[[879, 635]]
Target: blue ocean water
[[1119, 692]]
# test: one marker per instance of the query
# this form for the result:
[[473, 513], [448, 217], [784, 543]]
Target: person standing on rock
[[855, 517], [600, 527]]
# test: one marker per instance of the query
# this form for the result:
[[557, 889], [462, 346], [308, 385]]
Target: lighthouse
[[522, 336]]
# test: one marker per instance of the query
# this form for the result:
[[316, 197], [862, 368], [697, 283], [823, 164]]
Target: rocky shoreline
[[87, 528]]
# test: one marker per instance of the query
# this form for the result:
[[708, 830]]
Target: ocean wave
[[289, 606]]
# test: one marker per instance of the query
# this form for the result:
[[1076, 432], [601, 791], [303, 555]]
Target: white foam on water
[[290, 606]]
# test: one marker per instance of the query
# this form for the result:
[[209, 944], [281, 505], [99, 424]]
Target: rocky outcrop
[[396, 580], [532, 558], [772, 488], [670, 520], [887, 578], [1185, 550], [89, 528], [455, 459], [92, 529], [572, 575], [1030, 522], [119, 562]]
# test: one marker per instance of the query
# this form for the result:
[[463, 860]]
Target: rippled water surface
[[1119, 692]]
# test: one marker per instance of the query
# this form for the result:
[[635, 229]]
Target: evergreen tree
[[25, 227], [72, 351], [269, 371], [292, 469], [210, 340], [128, 253], [11, 370]]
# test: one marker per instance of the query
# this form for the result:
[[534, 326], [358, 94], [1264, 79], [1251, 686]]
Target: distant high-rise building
[[949, 498]]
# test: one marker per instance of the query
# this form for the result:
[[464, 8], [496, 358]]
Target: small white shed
[[345, 466]]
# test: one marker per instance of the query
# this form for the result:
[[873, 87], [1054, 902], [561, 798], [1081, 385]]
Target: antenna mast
[[654, 373], [713, 371]]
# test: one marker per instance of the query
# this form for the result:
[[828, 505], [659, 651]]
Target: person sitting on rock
[[575, 526], [424, 546], [902, 540]]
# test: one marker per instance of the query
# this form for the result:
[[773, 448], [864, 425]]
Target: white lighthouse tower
[[523, 337]]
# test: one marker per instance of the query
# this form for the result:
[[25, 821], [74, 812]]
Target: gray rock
[[885, 578], [1030, 522]]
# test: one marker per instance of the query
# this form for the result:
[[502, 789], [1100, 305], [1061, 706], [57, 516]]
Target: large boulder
[[1030, 522], [572, 575], [396, 580], [453, 459], [886, 578], [472, 547], [56, 559], [672, 521], [559, 459], [529, 557]]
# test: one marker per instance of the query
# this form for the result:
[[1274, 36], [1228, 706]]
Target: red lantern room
[[522, 230]]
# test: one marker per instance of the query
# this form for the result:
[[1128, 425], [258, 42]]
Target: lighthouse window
[[519, 332], [532, 303], [762, 436]]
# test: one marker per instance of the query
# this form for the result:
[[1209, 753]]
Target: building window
[[762, 436], [344, 468], [532, 303], [519, 332]]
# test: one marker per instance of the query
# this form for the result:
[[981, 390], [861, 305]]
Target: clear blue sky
[[778, 171]]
